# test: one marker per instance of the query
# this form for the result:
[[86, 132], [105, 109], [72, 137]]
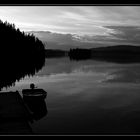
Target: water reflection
[[65, 65], [87, 97], [121, 73], [37, 107], [129, 74]]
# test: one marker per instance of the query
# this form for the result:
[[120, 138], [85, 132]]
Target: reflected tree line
[[21, 54]]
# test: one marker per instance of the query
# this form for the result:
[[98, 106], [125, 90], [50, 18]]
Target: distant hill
[[124, 48], [119, 53], [99, 51]]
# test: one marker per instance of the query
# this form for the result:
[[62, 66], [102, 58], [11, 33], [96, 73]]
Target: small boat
[[34, 93]]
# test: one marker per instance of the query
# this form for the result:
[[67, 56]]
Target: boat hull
[[34, 94]]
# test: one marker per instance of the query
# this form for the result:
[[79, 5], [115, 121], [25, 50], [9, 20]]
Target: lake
[[87, 97]]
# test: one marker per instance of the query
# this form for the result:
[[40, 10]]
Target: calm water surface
[[87, 97]]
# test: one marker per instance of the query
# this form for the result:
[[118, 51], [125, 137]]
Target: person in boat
[[32, 86], [34, 91]]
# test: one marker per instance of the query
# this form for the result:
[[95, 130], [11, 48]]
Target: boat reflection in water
[[35, 102]]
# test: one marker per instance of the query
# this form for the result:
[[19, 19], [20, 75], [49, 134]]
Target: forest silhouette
[[117, 54], [21, 54]]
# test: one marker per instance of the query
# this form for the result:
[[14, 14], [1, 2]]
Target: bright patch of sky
[[87, 20]]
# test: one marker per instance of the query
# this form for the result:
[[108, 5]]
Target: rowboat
[[34, 93]]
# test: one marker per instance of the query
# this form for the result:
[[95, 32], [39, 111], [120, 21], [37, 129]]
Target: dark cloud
[[117, 35], [126, 34]]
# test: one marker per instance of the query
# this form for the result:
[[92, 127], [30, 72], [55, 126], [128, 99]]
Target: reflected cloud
[[125, 75]]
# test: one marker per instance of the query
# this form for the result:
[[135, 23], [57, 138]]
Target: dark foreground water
[[87, 97]]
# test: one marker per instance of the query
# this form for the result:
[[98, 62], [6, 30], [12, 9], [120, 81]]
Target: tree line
[[21, 54]]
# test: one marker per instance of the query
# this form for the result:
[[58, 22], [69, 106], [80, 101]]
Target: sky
[[86, 23]]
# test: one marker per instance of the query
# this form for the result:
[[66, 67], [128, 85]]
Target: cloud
[[126, 34], [71, 19], [113, 35], [83, 26], [63, 41]]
